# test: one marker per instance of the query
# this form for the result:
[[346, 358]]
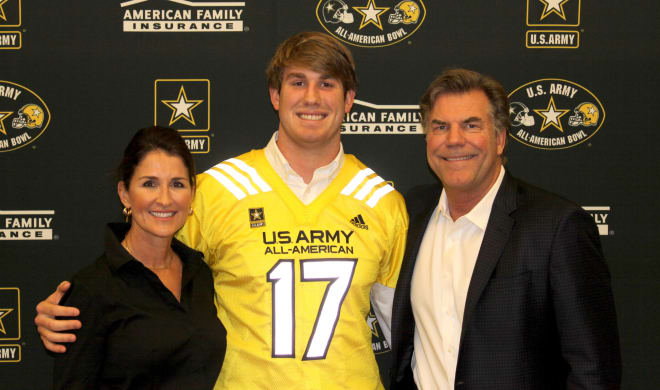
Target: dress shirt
[[440, 284], [322, 177], [381, 296]]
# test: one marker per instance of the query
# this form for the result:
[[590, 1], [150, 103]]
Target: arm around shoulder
[[80, 365]]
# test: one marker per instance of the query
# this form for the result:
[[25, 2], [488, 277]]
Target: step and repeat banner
[[78, 78]]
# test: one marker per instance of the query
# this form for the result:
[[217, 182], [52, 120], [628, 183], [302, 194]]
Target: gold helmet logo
[[406, 12], [586, 114], [30, 116]]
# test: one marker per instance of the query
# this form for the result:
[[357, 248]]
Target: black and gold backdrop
[[77, 78]]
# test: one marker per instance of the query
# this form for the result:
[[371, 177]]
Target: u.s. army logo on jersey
[[257, 217]]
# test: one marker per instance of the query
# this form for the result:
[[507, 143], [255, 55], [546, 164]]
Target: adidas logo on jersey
[[358, 221]]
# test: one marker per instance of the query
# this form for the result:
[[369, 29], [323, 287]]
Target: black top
[[135, 334]]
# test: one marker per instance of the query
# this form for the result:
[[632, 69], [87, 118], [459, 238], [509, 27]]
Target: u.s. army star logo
[[182, 107], [3, 313]]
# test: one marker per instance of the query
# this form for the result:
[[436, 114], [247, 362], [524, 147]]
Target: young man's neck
[[305, 159]]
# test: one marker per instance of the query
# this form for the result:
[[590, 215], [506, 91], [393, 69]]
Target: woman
[[147, 303]]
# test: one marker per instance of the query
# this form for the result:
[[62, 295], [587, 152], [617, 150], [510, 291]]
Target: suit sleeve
[[584, 305], [79, 366]]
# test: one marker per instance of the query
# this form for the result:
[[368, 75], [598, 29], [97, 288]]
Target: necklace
[[169, 261]]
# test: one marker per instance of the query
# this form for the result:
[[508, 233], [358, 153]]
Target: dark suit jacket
[[539, 312]]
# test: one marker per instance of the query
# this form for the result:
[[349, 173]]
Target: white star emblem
[[551, 116], [3, 116], [553, 6], [3, 313], [2, 10], [371, 14], [256, 215], [372, 321], [182, 107]]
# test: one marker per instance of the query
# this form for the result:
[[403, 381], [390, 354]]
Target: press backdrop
[[77, 78]]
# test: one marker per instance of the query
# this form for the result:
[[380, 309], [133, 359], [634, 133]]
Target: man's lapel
[[495, 239]]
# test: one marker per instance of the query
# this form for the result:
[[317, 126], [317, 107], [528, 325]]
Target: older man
[[504, 285]]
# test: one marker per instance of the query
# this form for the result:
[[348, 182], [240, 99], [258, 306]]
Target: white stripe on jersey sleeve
[[368, 186], [252, 173], [357, 179], [245, 182], [222, 179], [379, 193]]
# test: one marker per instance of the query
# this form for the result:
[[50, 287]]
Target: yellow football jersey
[[292, 281]]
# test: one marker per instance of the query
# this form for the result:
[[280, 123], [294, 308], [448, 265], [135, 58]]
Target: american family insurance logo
[[182, 16], [26, 224]]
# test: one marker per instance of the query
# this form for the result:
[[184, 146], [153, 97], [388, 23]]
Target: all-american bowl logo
[[554, 114], [24, 116], [371, 23]]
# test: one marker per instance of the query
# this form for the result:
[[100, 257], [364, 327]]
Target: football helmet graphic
[[586, 114], [336, 11], [406, 12], [30, 116], [519, 115]]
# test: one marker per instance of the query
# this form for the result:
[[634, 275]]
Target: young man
[[297, 234], [504, 286]]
